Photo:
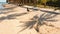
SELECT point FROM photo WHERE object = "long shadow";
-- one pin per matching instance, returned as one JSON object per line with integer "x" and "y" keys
{"x": 11, "y": 16}
{"x": 6, "y": 10}
{"x": 50, "y": 12}
{"x": 39, "y": 21}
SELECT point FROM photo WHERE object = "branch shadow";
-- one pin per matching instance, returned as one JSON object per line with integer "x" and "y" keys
{"x": 39, "y": 21}
{"x": 11, "y": 16}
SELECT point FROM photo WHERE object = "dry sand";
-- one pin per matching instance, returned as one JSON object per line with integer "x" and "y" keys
{"x": 12, "y": 18}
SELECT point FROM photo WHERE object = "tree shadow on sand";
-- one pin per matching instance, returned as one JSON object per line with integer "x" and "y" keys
{"x": 39, "y": 21}
{"x": 51, "y": 12}
{"x": 11, "y": 16}
{"x": 7, "y": 10}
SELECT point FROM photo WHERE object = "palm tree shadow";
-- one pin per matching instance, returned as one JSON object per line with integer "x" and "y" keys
{"x": 39, "y": 21}
{"x": 11, "y": 16}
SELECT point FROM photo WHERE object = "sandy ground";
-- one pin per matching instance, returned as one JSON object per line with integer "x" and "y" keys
{"x": 11, "y": 19}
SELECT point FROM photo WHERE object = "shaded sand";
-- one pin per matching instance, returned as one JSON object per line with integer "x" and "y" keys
{"x": 12, "y": 19}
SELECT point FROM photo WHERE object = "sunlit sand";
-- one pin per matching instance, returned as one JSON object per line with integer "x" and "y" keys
{"x": 12, "y": 19}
